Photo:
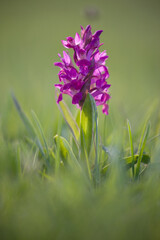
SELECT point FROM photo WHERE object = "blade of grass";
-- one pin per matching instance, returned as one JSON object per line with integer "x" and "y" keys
{"x": 57, "y": 157}
{"x": 40, "y": 130}
{"x": 141, "y": 147}
{"x": 153, "y": 138}
{"x": 19, "y": 161}
{"x": 131, "y": 145}
{"x": 88, "y": 165}
{"x": 63, "y": 150}
{"x": 46, "y": 176}
{"x": 67, "y": 147}
{"x": 28, "y": 125}
{"x": 105, "y": 168}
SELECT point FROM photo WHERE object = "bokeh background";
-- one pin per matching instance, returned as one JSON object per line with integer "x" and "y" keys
{"x": 30, "y": 38}
{"x": 65, "y": 207}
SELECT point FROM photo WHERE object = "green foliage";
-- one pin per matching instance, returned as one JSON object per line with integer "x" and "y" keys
{"x": 69, "y": 120}
{"x": 141, "y": 147}
{"x": 84, "y": 131}
{"x": 33, "y": 133}
{"x": 44, "y": 196}
{"x": 129, "y": 160}
{"x": 41, "y": 132}
{"x": 28, "y": 125}
{"x": 131, "y": 146}
{"x": 87, "y": 125}
{"x": 66, "y": 151}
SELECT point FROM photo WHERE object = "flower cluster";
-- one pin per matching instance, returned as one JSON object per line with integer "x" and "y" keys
{"x": 90, "y": 72}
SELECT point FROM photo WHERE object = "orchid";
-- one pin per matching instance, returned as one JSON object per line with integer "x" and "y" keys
{"x": 88, "y": 73}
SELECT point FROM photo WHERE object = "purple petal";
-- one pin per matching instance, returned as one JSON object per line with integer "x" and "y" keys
{"x": 73, "y": 72}
{"x": 103, "y": 70}
{"x": 58, "y": 64}
{"x": 66, "y": 58}
{"x": 76, "y": 84}
{"x": 82, "y": 31}
{"x": 96, "y": 93}
{"x": 59, "y": 55}
{"x": 81, "y": 54}
{"x": 105, "y": 86}
{"x": 76, "y": 98}
{"x": 99, "y": 83}
{"x": 100, "y": 58}
{"x": 94, "y": 43}
{"x": 70, "y": 39}
{"x": 97, "y": 33}
{"x": 105, "y": 97}
{"x": 77, "y": 39}
{"x": 87, "y": 36}
{"x": 91, "y": 73}
{"x": 59, "y": 98}
{"x": 65, "y": 43}
{"x": 83, "y": 62}
{"x": 105, "y": 109}
{"x": 70, "y": 42}
{"x": 66, "y": 86}
{"x": 75, "y": 57}
{"x": 58, "y": 86}
{"x": 88, "y": 29}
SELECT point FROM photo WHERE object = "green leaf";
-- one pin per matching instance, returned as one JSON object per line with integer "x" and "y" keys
{"x": 104, "y": 169}
{"x": 62, "y": 148}
{"x": 96, "y": 172}
{"x": 46, "y": 176}
{"x": 78, "y": 118}
{"x": 87, "y": 124}
{"x": 18, "y": 160}
{"x": 28, "y": 125}
{"x": 131, "y": 145}
{"x": 70, "y": 120}
{"x": 141, "y": 147}
{"x": 89, "y": 128}
{"x": 129, "y": 160}
{"x": 40, "y": 130}
{"x": 66, "y": 151}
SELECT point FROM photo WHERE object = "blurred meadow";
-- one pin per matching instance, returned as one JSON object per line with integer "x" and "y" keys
{"x": 65, "y": 207}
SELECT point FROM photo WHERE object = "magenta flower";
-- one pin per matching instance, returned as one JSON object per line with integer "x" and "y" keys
{"x": 88, "y": 73}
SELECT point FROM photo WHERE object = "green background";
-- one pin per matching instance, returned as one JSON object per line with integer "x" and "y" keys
{"x": 64, "y": 206}
{"x": 30, "y": 38}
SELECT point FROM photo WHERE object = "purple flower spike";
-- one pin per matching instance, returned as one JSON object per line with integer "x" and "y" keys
{"x": 88, "y": 73}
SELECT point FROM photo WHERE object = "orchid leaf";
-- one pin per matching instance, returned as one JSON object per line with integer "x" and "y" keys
{"x": 78, "y": 118}
{"x": 70, "y": 120}
{"x": 95, "y": 132}
{"x": 87, "y": 124}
